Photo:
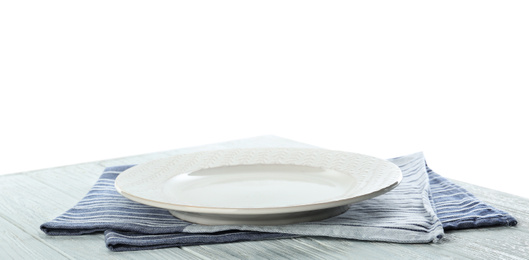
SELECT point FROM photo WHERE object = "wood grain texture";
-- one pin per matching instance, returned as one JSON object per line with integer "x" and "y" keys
{"x": 18, "y": 244}
{"x": 29, "y": 199}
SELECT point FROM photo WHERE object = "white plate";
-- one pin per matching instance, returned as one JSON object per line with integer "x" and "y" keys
{"x": 266, "y": 186}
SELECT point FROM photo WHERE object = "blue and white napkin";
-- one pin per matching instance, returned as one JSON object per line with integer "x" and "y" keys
{"x": 416, "y": 211}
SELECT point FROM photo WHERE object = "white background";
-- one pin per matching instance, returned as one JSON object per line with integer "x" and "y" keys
{"x": 90, "y": 80}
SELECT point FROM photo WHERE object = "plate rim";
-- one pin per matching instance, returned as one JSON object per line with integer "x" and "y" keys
{"x": 262, "y": 210}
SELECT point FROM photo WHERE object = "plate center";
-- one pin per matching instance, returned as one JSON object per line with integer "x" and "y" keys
{"x": 257, "y": 186}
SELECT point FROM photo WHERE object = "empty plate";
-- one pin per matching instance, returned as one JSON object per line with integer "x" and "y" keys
{"x": 267, "y": 186}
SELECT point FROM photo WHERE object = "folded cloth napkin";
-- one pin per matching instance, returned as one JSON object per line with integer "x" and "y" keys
{"x": 416, "y": 211}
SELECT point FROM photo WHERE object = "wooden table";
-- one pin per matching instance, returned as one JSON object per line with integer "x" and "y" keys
{"x": 29, "y": 199}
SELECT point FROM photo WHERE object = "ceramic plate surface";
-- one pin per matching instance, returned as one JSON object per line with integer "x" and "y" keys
{"x": 265, "y": 186}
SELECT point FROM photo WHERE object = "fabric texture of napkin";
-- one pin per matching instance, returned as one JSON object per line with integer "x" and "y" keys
{"x": 416, "y": 211}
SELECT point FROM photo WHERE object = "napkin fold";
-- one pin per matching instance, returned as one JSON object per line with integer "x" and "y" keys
{"x": 416, "y": 211}
{"x": 459, "y": 209}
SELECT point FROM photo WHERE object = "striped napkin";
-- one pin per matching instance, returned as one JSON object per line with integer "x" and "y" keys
{"x": 417, "y": 211}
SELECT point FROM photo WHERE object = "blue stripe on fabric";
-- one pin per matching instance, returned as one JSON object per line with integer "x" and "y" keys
{"x": 459, "y": 209}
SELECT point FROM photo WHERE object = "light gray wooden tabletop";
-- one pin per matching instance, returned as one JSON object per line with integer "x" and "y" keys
{"x": 29, "y": 199}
